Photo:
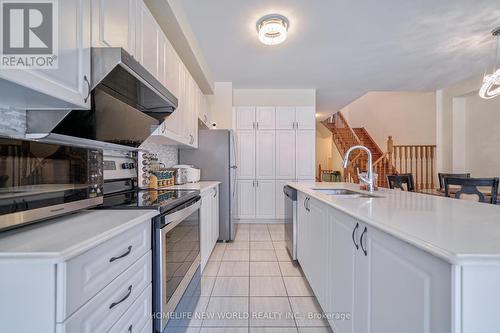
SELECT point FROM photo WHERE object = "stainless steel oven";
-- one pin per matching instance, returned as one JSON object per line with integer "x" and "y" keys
{"x": 41, "y": 180}
{"x": 177, "y": 258}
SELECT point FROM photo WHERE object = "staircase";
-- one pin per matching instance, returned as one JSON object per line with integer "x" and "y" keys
{"x": 345, "y": 137}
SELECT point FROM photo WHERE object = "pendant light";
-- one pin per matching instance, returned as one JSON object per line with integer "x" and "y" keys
{"x": 491, "y": 82}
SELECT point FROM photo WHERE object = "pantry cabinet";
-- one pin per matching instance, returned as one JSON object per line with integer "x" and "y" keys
{"x": 360, "y": 271}
{"x": 264, "y": 118}
{"x": 246, "y": 198}
{"x": 245, "y": 158}
{"x": 209, "y": 223}
{"x": 265, "y": 154}
{"x": 285, "y": 154}
{"x": 244, "y": 117}
{"x": 256, "y": 199}
{"x": 299, "y": 117}
{"x": 68, "y": 85}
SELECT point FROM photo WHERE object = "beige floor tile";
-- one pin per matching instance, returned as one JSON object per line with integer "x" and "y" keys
{"x": 242, "y": 236}
{"x": 263, "y": 255}
{"x": 217, "y": 254}
{"x": 211, "y": 268}
{"x": 271, "y": 311}
{"x": 259, "y": 236}
{"x": 267, "y": 286}
{"x": 276, "y": 226}
{"x": 261, "y": 246}
{"x": 297, "y": 286}
{"x": 303, "y": 307}
{"x": 258, "y": 226}
{"x": 277, "y": 235}
{"x": 290, "y": 268}
{"x": 204, "y": 288}
{"x": 227, "y": 312}
{"x": 279, "y": 245}
{"x": 224, "y": 330}
{"x": 234, "y": 268}
{"x": 238, "y": 245}
{"x": 315, "y": 330}
{"x": 236, "y": 255}
{"x": 192, "y": 306}
{"x": 283, "y": 255}
{"x": 231, "y": 286}
{"x": 220, "y": 246}
{"x": 273, "y": 330}
{"x": 267, "y": 268}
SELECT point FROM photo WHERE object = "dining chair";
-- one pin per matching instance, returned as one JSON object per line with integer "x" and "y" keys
{"x": 469, "y": 186}
{"x": 441, "y": 176}
{"x": 397, "y": 182}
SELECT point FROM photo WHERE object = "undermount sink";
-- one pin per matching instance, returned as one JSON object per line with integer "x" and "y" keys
{"x": 343, "y": 193}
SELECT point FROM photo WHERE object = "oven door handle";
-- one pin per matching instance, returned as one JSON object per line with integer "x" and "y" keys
{"x": 180, "y": 215}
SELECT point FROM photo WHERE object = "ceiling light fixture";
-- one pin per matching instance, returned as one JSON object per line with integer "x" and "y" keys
{"x": 491, "y": 82}
{"x": 272, "y": 29}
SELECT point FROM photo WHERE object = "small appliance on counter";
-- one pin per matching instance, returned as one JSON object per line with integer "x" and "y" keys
{"x": 186, "y": 174}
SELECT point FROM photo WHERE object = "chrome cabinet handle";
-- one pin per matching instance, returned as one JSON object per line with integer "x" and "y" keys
{"x": 257, "y": 125}
{"x": 129, "y": 249}
{"x": 361, "y": 242}
{"x": 253, "y": 125}
{"x": 88, "y": 88}
{"x": 215, "y": 192}
{"x": 297, "y": 125}
{"x": 123, "y": 299}
{"x": 130, "y": 329}
{"x": 354, "y": 235}
{"x": 305, "y": 201}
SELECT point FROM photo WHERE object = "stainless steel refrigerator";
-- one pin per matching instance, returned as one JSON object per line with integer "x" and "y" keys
{"x": 216, "y": 157}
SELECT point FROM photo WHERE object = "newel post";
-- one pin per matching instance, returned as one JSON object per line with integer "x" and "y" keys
{"x": 390, "y": 148}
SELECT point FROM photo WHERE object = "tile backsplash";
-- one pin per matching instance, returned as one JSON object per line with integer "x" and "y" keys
{"x": 168, "y": 155}
{"x": 12, "y": 122}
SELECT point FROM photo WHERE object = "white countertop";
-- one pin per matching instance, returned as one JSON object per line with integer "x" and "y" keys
{"x": 458, "y": 231}
{"x": 62, "y": 238}
{"x": 200, "y": 186}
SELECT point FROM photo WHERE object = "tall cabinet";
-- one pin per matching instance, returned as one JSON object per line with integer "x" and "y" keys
{"x": 276, "y": 145}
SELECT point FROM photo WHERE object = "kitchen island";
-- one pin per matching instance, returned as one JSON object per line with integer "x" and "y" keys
{"x": 396, "y": 261}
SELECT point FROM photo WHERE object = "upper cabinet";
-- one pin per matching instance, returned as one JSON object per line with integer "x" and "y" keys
{"x": 264, "y": 117}
{"x": 114, "y": 24}
{"x": 68, "y": 85}
{"x": 148, "y": 41}
{"x": 300, "y": 117}
{"x": 245, "y": 117}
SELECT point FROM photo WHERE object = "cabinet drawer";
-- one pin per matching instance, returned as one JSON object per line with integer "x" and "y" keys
{"x": 90, "y": 272}
{"x": 137, "y": 315}
{"x": 104, "y": 310}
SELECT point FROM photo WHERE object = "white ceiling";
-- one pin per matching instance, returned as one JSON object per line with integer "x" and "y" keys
{"x": 346, "y": 48}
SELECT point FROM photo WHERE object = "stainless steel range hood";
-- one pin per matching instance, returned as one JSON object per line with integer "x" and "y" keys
{"x": 127, "y": 104}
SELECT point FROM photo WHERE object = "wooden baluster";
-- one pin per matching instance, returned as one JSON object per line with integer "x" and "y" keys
{"x": 400, "y": 159}
{"x": 396, "y": 158}
{"x": 421, "y": 167}
{"x": 411, "y": 159}
{"x": 416, "y": 168}
{"x": 427, "y": 167}
{"x": 432, "y": 167}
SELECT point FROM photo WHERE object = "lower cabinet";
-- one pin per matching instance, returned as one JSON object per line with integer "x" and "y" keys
{"x": 367, "y": 280}
{"x": 209, "y": 223}
{"x": 256, "y": 199}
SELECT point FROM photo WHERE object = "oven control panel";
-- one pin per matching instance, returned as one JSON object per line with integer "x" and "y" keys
{"x": 119, "y": 165}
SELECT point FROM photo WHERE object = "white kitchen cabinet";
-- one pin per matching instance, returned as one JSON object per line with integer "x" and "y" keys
{"x": 305, "y": 154}
{"x": 246, "y": 199}
{"x": 245, "y": 154}
{"x": 285, "y": 117}
{"x": 358, "y": 270}
{"x": 265, "y": 117}
{"x": 209, "y": 224}
{"x": 114, "y": 24}
{"x": 148, "y": 40}
{"x": 265, "y": 154}
{"x": 285, "y": 154}
{"x": 65, "y": 87}
{"x": 280, "y": 197}
{"x": 305, "y": 118}
{"x": 265, "y": 200}
{"x": 245, "y": 117}
{"x": 172, "y": 70}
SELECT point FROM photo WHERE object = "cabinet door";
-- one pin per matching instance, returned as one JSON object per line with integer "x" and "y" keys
{"x": 245, "y": 117}
{"x": 342, "y": 269}
{"x": 265, "y": 154}
{"x": 303, "y": 232}
{"x": 409, "y": 284}
{"x": 265, "y": 207}
{"x": 285, "y": 117}
{"x": 205, "y": 228}
{"x": 280, "y": 198}
{"x": 172, "y": 70}
{"x": 245, "y": 154}
{"x": 305, "y": 116}
{"x": 246, "y": 199}
{"x": 264, "y": 117}
{"x": 70, "y": 82}
{"x": 305, "y": 154}
{"x": 193, "y": 113}
{"x": 113, "y": 24}
{"x": 148, "y": 40}
{"x": 285, "y": 154}
{"x": 215, "y": 215}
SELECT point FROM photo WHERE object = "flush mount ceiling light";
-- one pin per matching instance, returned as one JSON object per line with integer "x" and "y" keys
{"x": 491, "y": 82}
{"x": 272, "y": 29}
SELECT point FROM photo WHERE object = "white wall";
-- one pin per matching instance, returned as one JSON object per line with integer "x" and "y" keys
{"x": 482, "y": 136}
{"x": 410, "y": 117}
{"x": 221, "y": 105}
{"x": 274, "y": 97}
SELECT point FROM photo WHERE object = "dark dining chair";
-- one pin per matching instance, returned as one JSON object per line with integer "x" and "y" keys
{"x": 397, "y": 182}
{"x": 441, "y": 177}
{"x": 469, "y": 186}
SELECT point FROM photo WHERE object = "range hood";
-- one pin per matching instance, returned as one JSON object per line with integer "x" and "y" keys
{"x": 127, "y": 104}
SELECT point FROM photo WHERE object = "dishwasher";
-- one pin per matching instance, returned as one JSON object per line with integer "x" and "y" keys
{"x": 291, "y": 220}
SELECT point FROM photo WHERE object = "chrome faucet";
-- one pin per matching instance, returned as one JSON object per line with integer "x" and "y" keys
{"x": 369, "y": 180}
